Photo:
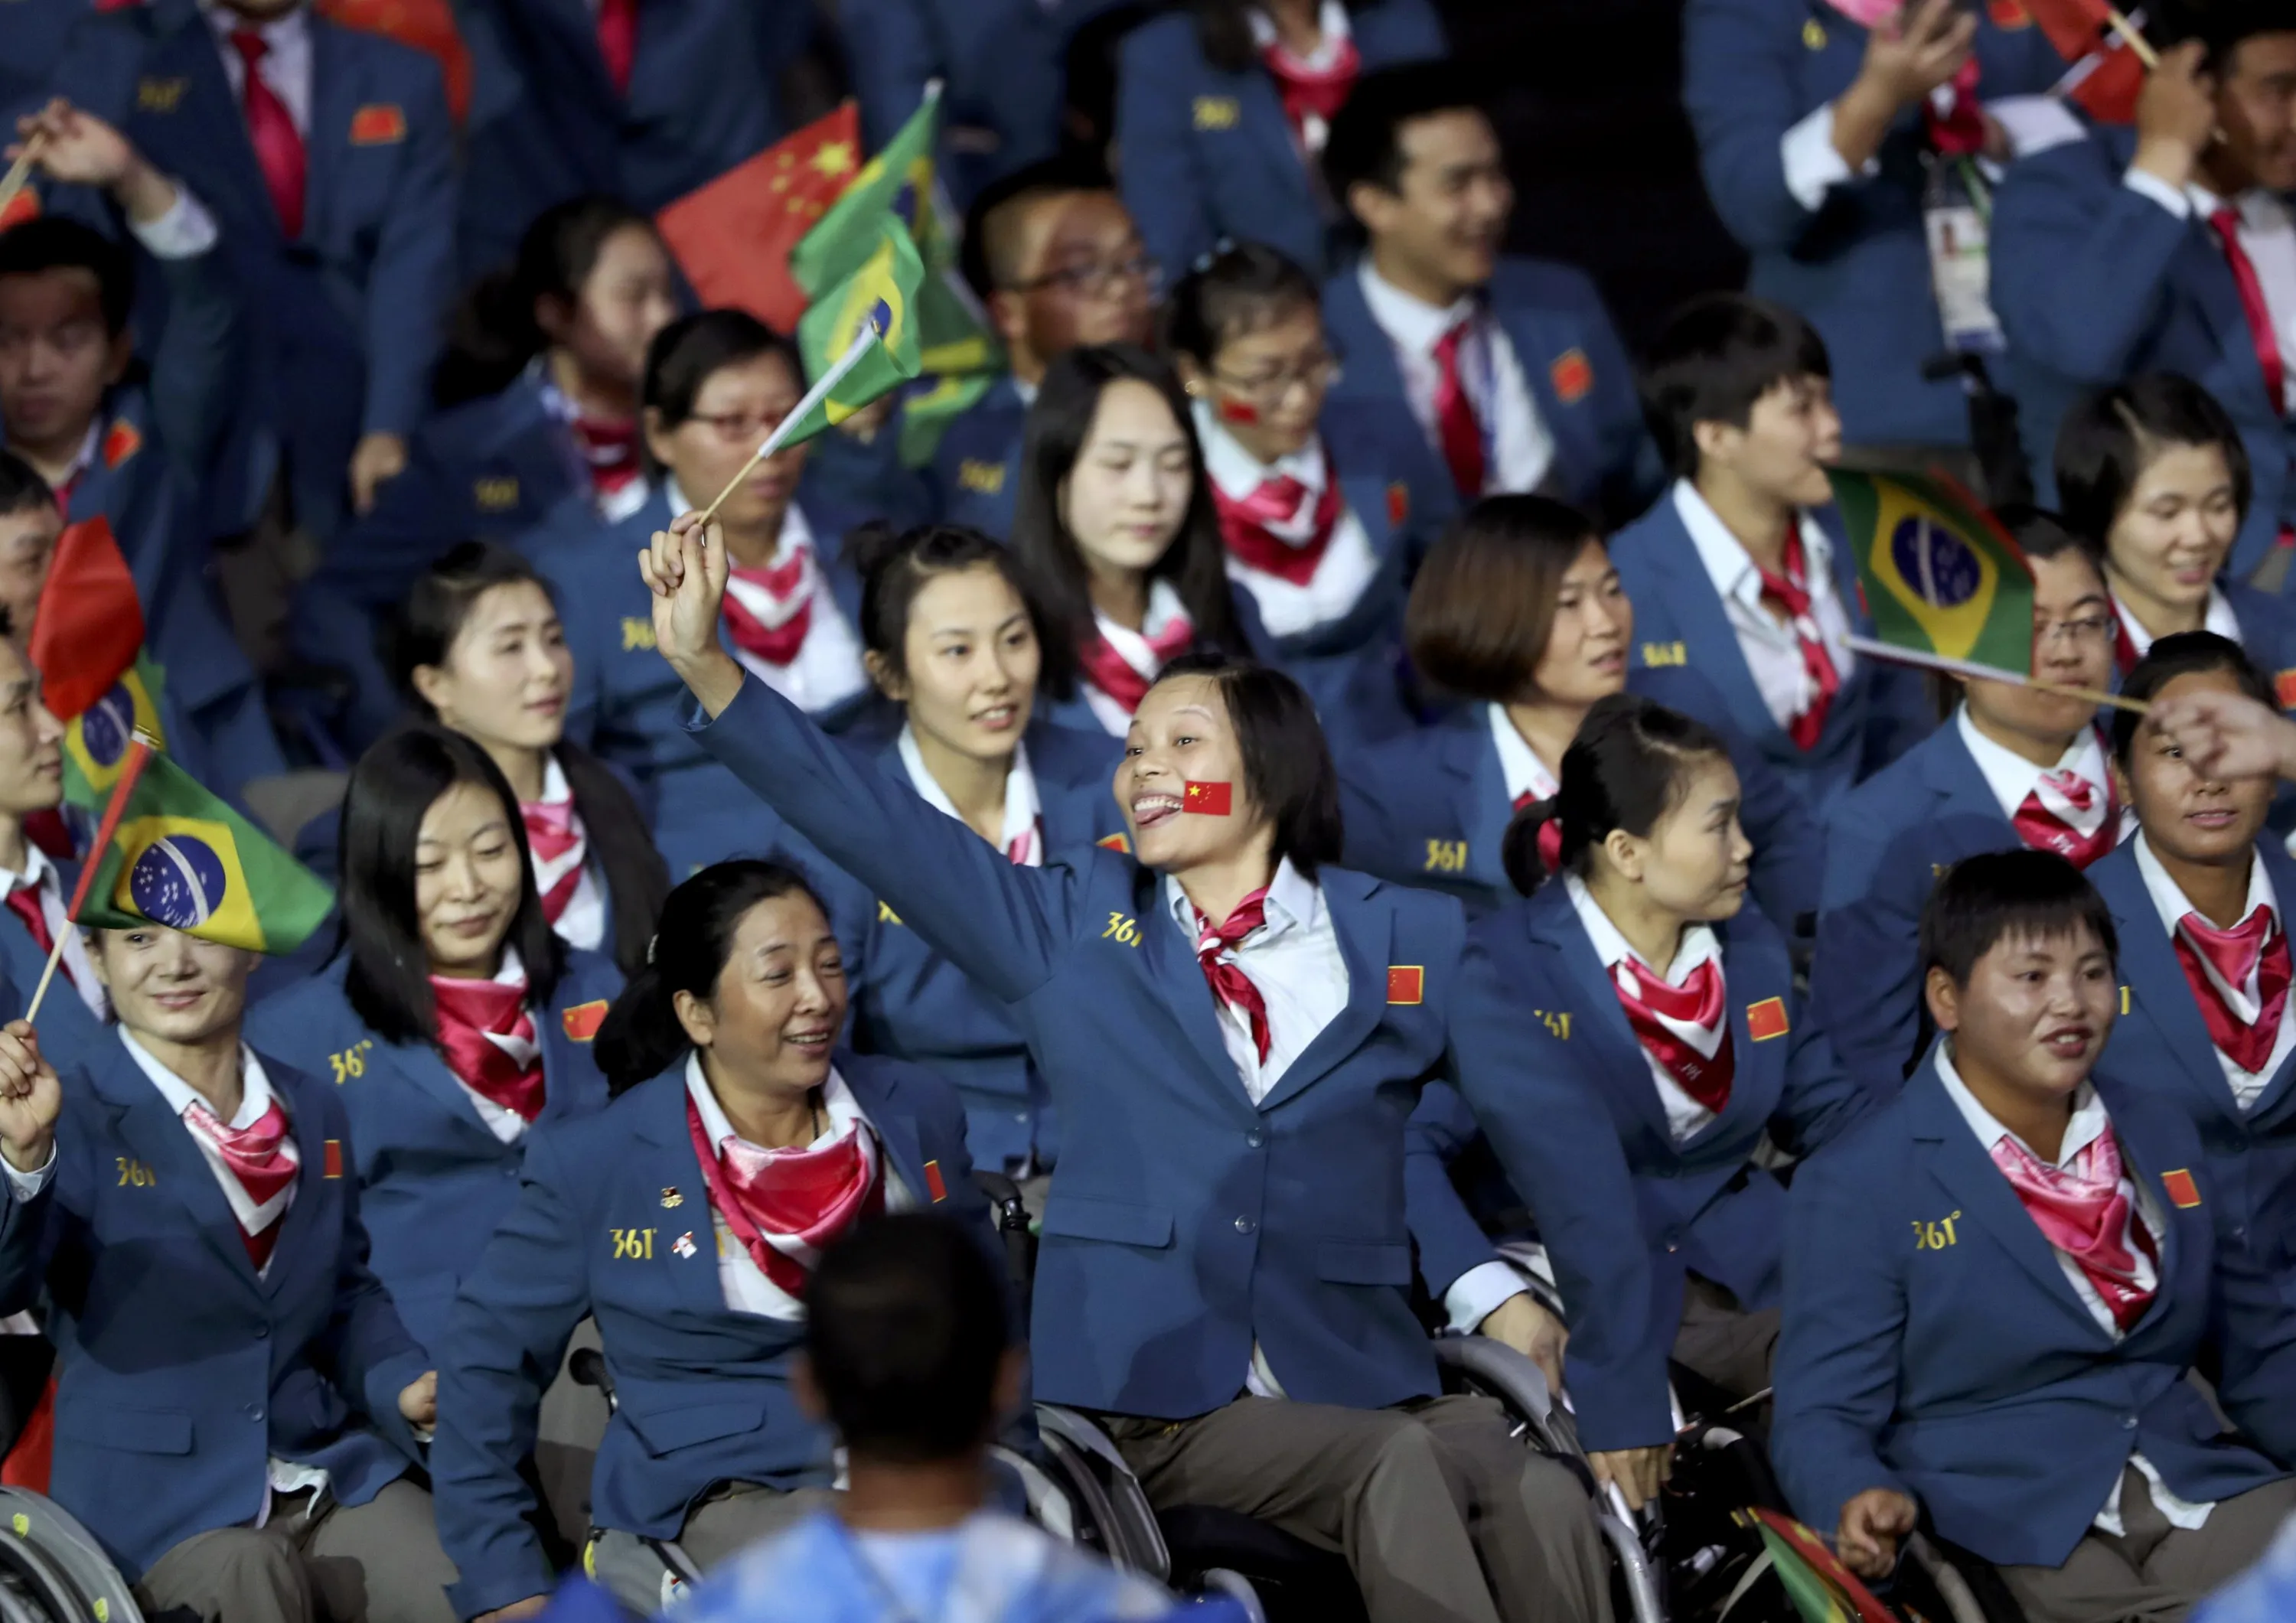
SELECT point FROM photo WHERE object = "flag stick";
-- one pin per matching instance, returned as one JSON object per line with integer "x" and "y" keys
{"x": 131, "y": 767}
{"x": 814, "y": 397}
{"x": 2131, "y": 38}
{"x": 1989, "y": 673}
{"x": 21, "y": 171}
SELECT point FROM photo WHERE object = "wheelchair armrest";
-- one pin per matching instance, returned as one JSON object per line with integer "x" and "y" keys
{"x": 1510, "y": 1377}
{"x": 588, "y": 1368}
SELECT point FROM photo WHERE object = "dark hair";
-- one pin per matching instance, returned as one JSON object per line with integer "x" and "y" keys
{"x": 1483, "y": 608}
{"x": 894, "y": 568}
{"x": 2039, "y": 533}
{"x": 1058, "y": 424}
{"x": 1996, "y": 894}
{"x": 1717, "y": 356}
{"x": 21, "y": 488}
{"x": 388, "y": 979}
{"x": 1365, "y": 143}
{"x": 1287, "y": 763}
{"x": 906, "y": 1333}
{"x": 2221, "y": 26}
{"x": 53, "y": 242}
{"x": 641, "y": 1037}
{"x": 2112, "y": 435}
{"x": 423, "y": 633}
{"x": 2184, "y": 654}
{"x": 690, "y": 351}
{"x": 1240, "y": 288}
{"x": 1627, "y": 769}
{"x": 494, "y": 333}
{"x": 986, "y": 248}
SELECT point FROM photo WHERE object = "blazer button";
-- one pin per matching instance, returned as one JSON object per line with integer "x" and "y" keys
{"x": 1255, "y": 1138}
{"x": 2128, "y": 1422}
{"x": 255, "y": 1411}
{"x": 263, "y": 1332}
{"x": 1244, "y": 1225}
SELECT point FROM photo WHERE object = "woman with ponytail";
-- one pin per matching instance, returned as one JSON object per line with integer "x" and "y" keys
{"x": 686, "y": 1220}
{"x": 1626, "y": 1037}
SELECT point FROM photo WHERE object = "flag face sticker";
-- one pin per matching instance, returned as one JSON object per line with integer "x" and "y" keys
{"x": 1938, "y": 573}
{"x": 581, "y": 1022}
{"x": 1208, "y": 799}
{"x": 1406, "y": 983}
{"x": 1766, "y": 1020}
{"x": 96, "y": 740}
{"x": 2183, "y": 1192}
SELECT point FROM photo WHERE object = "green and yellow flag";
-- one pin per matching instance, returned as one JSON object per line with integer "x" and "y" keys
{"x": 1820, "y": 1587}
{"x": 897, "y": 181}
{"x": 879, "y": 294}
{"x": 179, "y": 856}
{"x": 1941, "y": 578}
{"x": 96, "y": 740}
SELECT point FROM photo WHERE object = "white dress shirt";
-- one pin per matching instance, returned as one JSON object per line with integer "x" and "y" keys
{"x": 2171, "y": 902}
{"x": 286, "y": 67}
{"x": 2219, "y": 619}
{"x": 504, "y": 1123}
{"x": 1520, "y": 767}
{"x": 2266, "y": 233}
{"x": 613, "y": 505}
{"x": 583, "y": 923}
{"x": 1164, "y": 607}
{"x": 746, "y": 1287}
{"x": 40, "y": 872}
{"x": 1699, "y": 944}
{"x": 1772, "y": 650}
{"x": 1518, "y": 448}
{"x": 2089, "y": 1123}
{"x": 1349, "y": 564}
{"x": 2011, "y": 777}
{"x": 1814, "y": 166}
{"x": 1023, "y": 812}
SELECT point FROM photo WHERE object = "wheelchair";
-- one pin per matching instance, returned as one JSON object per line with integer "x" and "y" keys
{"x": 53, "y": 1571}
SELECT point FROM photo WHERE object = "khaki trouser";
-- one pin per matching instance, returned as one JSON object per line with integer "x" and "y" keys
{"x": 2153, "y": 1572}
{"x": 378, "y": 1563}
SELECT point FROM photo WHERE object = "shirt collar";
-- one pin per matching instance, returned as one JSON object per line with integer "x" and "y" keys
{"x": 1238, "y": 472}
{"x": 1026, "y": 391}
{"x": 1294, "y": 902}
{"x": 1519, "y": 768}
{"x": 1729, "y": 565}
{"x": 555, "y": 790}
{"x": 2087, "y": 1125}
{"x": 2258, "y": 209}
{"x": 1331, "y": 18}
{"x": 1164, "y": 607}
{"x": 1699, "y": 942}
{"x": 280, "y": 33}
{"x": 2218, "y": 618}
{"x": 2011, "y": 777}
{"x": 254, "y": 1086}
{"x": 2169, "y": 898}
{"x": 1022, "y": 806}
{"x": 1416, "y": 326}
{"x": 39, "y": 871}
{"x": 838, "y": 1106}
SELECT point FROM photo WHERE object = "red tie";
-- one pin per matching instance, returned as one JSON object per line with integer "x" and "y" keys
{"x": 2226, "y": 221}
{"x": 1113, "y": 674}
{"x": 1455, "y": 426}
{"x": 808, "y": 1196}
{"x": 1316, "y": 94}
{"x": 776, "y": 645}
{"x": 1959, "y": 131}
{"x": 1231, "y": 988}
{"x": 2082, "y": 1212}
{"x": 617, "y": 40}
{"x": 489, "y": 1041}
{"x": 1276, "y": 529}
{"x": 2253, "y": 953}
{"x": 1021, "y": 850}
{"x": 2056, "y": 815}
{"x": 554, "y": 836}
{"x": 271, "y": 131}
{"x": 1657, "y": 1012}
{"x": 609, "y": 450}
{"x": 24, "y": 902}
{"x": 1790, "y": 592}
{"x": 262, "y": 1157}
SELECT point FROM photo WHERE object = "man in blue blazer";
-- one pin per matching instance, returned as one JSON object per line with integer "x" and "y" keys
{"x": 1811, "y": 138}
{"x": 2126, "y": 253}
{"x": 1469, "y": 371}
{"x": 1997, "y": 1287}
{"x": 332, "y": 178}
{"x": 1210, "y": 151}
{"x": 1741, "y": 573}
{"x": 2013, "y": 767}
{"x": 1058, "y": 264}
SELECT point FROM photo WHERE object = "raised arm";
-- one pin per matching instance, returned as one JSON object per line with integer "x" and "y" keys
{"x": 1005, "y": 926}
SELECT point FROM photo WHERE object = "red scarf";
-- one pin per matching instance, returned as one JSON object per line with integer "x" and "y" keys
{"x": 2083, "y": 1212}
{"x": 1277, "y": 529}
{"x": 1113, "y": 674}
{"x": 1231, "y": 988}
{"x": 262, "y": 1158}
{"x": 609, "y": 450}
{"x": 560, "y": 848}
{"x": 1959, "y": 130}
{"x": 2253, "y": 953}
{"x": 2067, "y": 814}
{"x": 809, "y": 1197}
{"x": 1651, "y": 1004}
{"x": 1313, "y": 97}
{"x": 788, "y": 587}
{"x": 1790, "y": 592}
{"x": 489, "y": 1041}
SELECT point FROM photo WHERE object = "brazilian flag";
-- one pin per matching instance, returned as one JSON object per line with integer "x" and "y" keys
{"x": 181, "y": 858}
{"x": 96, "y": 740}
{"x": 1940, "y": 575}
{"x": 880, "y": 296}
{"x": 1821, "y": 1589}
{"x": 897, "y": 181}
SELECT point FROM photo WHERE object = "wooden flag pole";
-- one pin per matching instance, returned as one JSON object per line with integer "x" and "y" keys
{"x": 868, "y": 335}
{"x": 1990, "y": 673}
{"x": 2131, "y": 38}
{"x": 131, "y": 767}
{"x": 21, "y": 171}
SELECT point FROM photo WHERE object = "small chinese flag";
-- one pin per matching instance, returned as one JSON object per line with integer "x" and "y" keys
{"x": 1405, "y": 983}
{"x": 121, "y": 442}
{"x": 378, "y": 124}
{"x": 1208, "y": 799}
{"x": 1766, "y": 1020}
{"x": 733, "y": 236}
{"x": 582, "y": 1021}
{"x": 934, "y": 1186}
{"x": 1398, "y": 504}
{"x": 2284, "y": 688}
{"x": 89, "y": 626}
{"x": 1572, "y": 375}
{"x": 2183, "y": 1193}
{"x": 334, "y": 1163}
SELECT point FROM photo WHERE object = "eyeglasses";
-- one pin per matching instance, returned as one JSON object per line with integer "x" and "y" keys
{"x": 1315, "y": 373}
{"x": 2090, "y": 630}
{"x": 1098, "y": 281}
{"x": 736, "y": 427}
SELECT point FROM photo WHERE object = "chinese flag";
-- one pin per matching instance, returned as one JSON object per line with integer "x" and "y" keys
{"x": 1766, "y": 1020}
{"x": 1208, "y": 799}
{"x": 2082, "y": 32}
{"x": 89, "y": 627}
{"x": 426, "y": 25}
{"x": 733, "y": 237}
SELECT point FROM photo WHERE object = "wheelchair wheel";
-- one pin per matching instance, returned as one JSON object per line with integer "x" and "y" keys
{"x": 53, "y": 1571}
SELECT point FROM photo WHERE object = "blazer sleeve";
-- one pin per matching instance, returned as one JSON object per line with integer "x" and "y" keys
{"x": 412, "y": 279}
{"x": 1155, "y": 131}
{"x": 1450, "y": 1240}
{"x": 2255, "y": 1333}
{"x": 1787, "y": 842}
{"x": 1821, "y": 1098}
{"x": 1006, "y": 927}
{"x": 366, "y": 1349}
{"x": 508, "y": 1331}
{"x": 1737, "y": 85}
{"x": 1865, "y": 985}
{"x": 198, "y": 368}
{"x": 25, "y": 1239}
{"x": 1844, "y": 1323}
{"x": 1561, "y": 1152}
{"x": 900, "y": 50}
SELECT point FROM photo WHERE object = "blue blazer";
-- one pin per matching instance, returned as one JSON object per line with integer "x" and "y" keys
{"x": 69, "y": 1033}
{"x": 1604, "y": 459}
{"x": 1679, "y": 619}
{"x": 1858, "y": 267}
{"x": 180, "y": 1369}
{"x": 974, "y": 480}
{"x": 1968, "y": 1374}
{"x": 349, "y": 316}
{"x": 613, "y": 1222}
{"x": 913, "y": 1004}
{"x": 1208, "y": 155}
{"x": 1554, "y": 1076}
{"x": 2096, "y": 282}
{"x": 1186, "y": 1223}
{"x": 1430, "y": 808}
{"x": 431, "y": 1173}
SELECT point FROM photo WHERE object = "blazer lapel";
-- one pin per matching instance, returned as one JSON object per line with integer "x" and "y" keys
{"x": 1484, "y": 811}
{"x": 1953, "y": 776}
{"x": 193, "y": 50}
{"x": 2158, "y": 989}
{"x": 1599, "y": 1017}
{"x": 1264, "y": 122}
{"x": 669, "y": 1147}
{"x": 2142, "y": 1170}
{"x": 1539, "y": 346}
{"x": 1365, "y": 930}
{"x": 2218, "y": 294}
{"x": 333, "y": 96}
{"x": 1185, "y": 995}
{"x": 300, "y": 1222}
{"x": 425, "y": 1071}
{"x": 1696, "y": 607}
{"x": 1758, "y": 1070}
{"x": 163, "y": 1144}
{"x": 896, "y": 1129}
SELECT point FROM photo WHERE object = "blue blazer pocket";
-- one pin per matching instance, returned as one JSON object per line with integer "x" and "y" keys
{"x": 1078, "y": 1217}
{"x": 135, "y": 1430}
{"x": 1356, "y": 1262}
{"x": 701, "y": 1422}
